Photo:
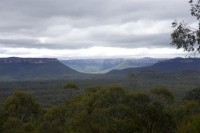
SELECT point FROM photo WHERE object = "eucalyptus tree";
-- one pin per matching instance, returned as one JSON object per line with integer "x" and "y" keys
{"x": 184, "y": 36}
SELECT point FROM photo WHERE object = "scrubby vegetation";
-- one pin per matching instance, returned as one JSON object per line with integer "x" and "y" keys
{"x": 51, "y": 92}
{"x": 103, "y": 110}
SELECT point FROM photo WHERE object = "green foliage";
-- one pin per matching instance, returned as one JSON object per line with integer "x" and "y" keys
{"x": 162, "y": 95}
{"x": 115, "y": 110}
{"x": 1, "y": 117}
{"x": 191, "y": 126}
{"x": 102, "y": 110}
{"x": 184, "y": 36}
{"x": 71, "y": 85}
{"x": 20, "y": 112}
{"x": 93, "y": 89}
{"x": 186, "y": 111}
{"x": 54, "y": 120}
{"x": 22, "y": 106}
{"x": 193, "y": 95}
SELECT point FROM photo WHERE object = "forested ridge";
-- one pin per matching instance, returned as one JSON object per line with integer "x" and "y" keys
{"x": 103, "y": 110}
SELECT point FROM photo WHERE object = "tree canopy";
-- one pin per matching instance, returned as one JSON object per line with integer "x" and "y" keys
{"x": 102, "y": 110}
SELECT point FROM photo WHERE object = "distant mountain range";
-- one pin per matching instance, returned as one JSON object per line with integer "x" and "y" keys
{"x": 106, "y": 65}
{"x": 52, "y": 69}
{"x": 166, "y": 66}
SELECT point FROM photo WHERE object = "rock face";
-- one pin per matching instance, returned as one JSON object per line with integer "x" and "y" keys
{"x": 35, "y": 68}
{"x": 13, "y": 60}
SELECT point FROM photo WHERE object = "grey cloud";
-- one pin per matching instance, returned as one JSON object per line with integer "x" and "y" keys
{"x": 136, "y": 41}
{"x": 34, "y": 43}
{"x": 123, "y": 41}
{"x": 33, "y": 18}
{"x": 96, "y": 10}
{"x": 28, "y": 43}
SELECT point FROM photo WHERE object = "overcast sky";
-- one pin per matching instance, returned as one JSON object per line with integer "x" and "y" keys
{"x": 90, "y": 28}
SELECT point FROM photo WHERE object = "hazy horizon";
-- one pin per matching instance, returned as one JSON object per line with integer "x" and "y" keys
{"x": 106, "y": 58}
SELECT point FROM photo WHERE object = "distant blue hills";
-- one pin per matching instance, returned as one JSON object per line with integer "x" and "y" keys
{"x": 169, "y": 66}
{"x": 106, "y": 65}
{"x": 50, "y": 68}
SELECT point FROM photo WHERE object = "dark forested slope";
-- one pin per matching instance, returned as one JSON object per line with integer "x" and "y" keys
{"x": 172, "y": 65}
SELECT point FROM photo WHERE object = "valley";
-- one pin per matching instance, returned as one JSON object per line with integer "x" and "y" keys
{"x": 106, "y": 65}
{"x": 47, "y": 78}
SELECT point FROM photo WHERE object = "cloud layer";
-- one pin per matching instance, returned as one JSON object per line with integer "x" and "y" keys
{"x": 84, "y": 24}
